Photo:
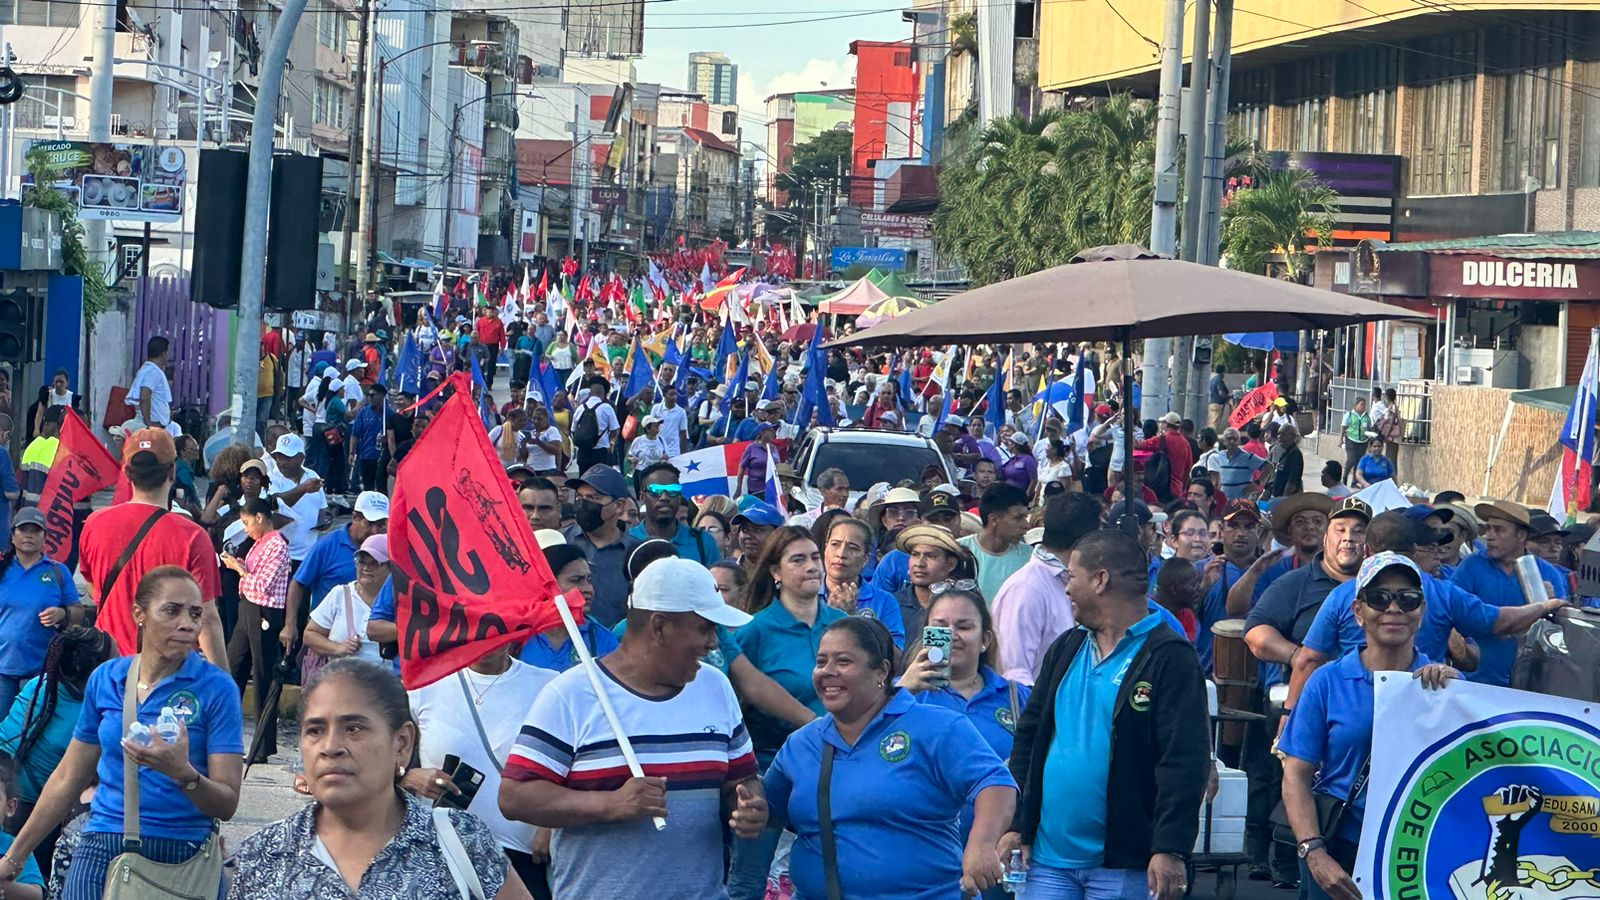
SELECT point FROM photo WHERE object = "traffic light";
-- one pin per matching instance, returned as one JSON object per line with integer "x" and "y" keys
{"x": 14, "y": 330}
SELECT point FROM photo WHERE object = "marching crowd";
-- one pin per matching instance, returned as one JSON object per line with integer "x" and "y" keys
{"x": 986, "y": 677}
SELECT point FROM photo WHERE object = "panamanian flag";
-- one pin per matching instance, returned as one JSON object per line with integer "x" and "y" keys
{"x": 1575, "y": 478}
{"x": 714, "y": 470}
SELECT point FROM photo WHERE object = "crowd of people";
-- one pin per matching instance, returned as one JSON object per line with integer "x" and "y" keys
{"x": 991, "y": 671}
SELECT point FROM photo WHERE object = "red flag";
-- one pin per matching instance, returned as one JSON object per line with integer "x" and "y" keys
{"x": 468, "y": 575}
{"x": 1253, "y": 404}
{"x": 82, "y": 466}
{"x": 544, "y": 284}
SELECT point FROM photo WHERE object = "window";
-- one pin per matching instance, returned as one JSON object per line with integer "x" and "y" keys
{"x": 331, "y": 29}
{"x": 1368, "y": 80}
{"x": 1586, "y": 100}
{"x": 1308, "y": 125}
{"x": 1442, "y": 128}
{"x": 1250, "y": 96}
{"x": 1530, "y": 129}
{"x": 327, "y": 105}
{"x": 40, "y": 12}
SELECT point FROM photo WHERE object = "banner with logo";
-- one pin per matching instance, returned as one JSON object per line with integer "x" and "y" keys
{"x": 1481, "y": 793}
{"x": 469, "y": 576}
{"x": 82, "y": 466}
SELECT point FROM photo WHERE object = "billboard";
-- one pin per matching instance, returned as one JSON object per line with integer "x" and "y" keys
{"x": 877, "y": 257}
{"x": 117, "y": 182}
{"x": 608, "y": 29}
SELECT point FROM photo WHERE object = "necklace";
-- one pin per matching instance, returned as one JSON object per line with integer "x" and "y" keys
{"x": 478, "y": 699}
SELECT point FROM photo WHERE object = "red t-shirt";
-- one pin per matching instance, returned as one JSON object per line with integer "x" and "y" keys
{"x": 491, "y": 331}
{"x": 273, "y": 341}
{"x": 174, "y": 540}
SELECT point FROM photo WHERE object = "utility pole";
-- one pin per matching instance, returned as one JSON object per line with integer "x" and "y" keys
{"x": 1216, "y": 147}
{"x": 371, "y": 142}
{"x": 572, "y": 195}
{"x": 100, "y": 91}
{"x": 358, "y": 138}
{"x": 1185, "y": 379}
{"x": 450, "y": 184}
{"x": 1163, "y": 213}
{"x": 258, "y": 196}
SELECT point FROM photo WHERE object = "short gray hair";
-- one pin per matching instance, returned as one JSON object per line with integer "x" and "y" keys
{"x": 832, "y": 478}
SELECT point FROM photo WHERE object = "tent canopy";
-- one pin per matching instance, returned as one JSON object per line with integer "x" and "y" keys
{"x": 853, "y": 300}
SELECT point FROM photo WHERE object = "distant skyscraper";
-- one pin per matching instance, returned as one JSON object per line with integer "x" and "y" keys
{"x": 715, "y": 76}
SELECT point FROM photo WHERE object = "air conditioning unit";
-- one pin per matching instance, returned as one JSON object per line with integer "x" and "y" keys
{"x": 1469, "y": 375}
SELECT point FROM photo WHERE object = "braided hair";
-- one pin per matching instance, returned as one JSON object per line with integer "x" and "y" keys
{"x": 74, "y": 653}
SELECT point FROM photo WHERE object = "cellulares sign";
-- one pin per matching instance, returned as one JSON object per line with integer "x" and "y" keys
{"x": 1514, "y": 279}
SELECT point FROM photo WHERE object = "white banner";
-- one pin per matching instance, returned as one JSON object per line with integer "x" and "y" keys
{"x": 1481, "y": 793}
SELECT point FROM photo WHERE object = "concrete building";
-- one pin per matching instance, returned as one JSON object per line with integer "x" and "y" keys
{"x": 701, "y": 171}
{"x": 885, "y": 98}
{"x": 488, "y": 47}
{"x": 715, "y": 76}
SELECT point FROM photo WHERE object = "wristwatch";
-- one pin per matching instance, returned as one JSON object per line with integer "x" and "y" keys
{"x": 191, "y": 786}
{"x": 1310, "y": 844}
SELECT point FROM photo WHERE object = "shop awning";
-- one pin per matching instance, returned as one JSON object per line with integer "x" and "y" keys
{"x": 1539, "y": 245}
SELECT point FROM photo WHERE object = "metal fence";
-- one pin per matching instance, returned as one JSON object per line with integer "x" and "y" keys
{"x": 1415, "y": 399}
{"x": 200, "y": 343}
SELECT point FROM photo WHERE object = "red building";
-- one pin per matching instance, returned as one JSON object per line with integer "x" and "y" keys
{"x": 886, "y": 102}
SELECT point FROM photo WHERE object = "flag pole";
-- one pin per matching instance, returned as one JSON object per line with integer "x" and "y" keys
{"x": 592, "y": 670}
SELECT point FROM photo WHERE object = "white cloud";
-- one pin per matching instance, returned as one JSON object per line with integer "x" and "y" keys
{"x": 814, "y": 75}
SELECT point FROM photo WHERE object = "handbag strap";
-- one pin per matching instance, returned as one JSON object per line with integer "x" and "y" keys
{"x": 1016, "y": 712}
{"x": 130, "y": 769}
{"x": 472, "y": 707}
{"x": 455, "y": 856}
{"x": 1360, "y": 784}
{"x": 830, "y": 849}
{"x": 127, "y": 554}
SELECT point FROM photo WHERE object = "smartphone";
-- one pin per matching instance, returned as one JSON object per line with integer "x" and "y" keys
{"x": 466, "y": 779}
{"x": 1217, "y": 548}
{"x": 937, "y": 639}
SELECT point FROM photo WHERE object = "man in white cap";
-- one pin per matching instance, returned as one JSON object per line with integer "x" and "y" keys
{"x": 331, "y": 561}
{"x": 681, "y": 715}
{"x": 298, "y": 491}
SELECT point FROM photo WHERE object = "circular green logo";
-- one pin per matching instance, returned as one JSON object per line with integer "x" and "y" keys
{"x": 185, "y": 705}
{"x": 1006, "y": 719}
{"x": 895, "y": 746}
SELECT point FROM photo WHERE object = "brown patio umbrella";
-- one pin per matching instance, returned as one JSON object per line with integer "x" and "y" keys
{"x": 1123, "y": 292}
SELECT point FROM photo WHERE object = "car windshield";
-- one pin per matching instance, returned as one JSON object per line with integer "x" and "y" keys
{"x": 867, "y": 464}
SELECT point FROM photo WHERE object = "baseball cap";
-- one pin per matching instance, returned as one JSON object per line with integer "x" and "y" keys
{"x": 354, "y": 364}
{"x": 1240, "y": 510}
{"x": 1021, "y": 440}
{"x": 765, "y": 426}
{"x": 1102, "y": 411}
{"x": 151, "y": 440}
{"x": 604, "y": 479}
{"x": 254, "y": 465}
{"x": 1350, "y": 506}
{"x": 759, "y": 513}
{"x": 372, "y": 506}
{"x": 549, "y": 537}
{"x": 751, "y": 386}
{"x": 1138, "y": 509}
{"x": 957, "y": 421}
{"x": 290, "y": 444}
{"x": 647, "y": 421}
{"x": 673, "y": 585}
{"x": 1172, "y": 418}
{"x": 938, "y": 503}
{"x": 765, "y": 405}
{"x": 377, "y": 547}
{"x": 29, "y": 516}
{"x": 1373, "y": 565}
{"x": 1418, "y": 512}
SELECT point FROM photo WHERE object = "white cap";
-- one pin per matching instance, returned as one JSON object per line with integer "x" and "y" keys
{"x": 549, "y": 537}
{"x": 372, "y": 506}
{"x": 647, "y": 421}
{"x": 354, "y": 364}
{"x": 290, "y": 444}
{"x": 683, "y": 585}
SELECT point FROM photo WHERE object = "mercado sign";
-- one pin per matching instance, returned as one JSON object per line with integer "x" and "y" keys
{"x": 118, "y": 182}
{"x": 1493, "y": 278}
{"x": 1480, "y": 793}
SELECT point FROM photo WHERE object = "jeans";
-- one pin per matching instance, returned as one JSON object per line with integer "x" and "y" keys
{"x": 752, "y": 859}
{"x": 1047, "y": 883}
{"x": 10, "y": 687}
{"x": 1343, "y": 852}
{"x": 86, "y": 877}
{"x": 261, "y": 647}
{"x": 263, "y": 412}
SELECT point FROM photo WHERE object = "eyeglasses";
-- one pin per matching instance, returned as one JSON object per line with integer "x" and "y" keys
{"x": 660, "y": 489}
{"x": 1379, "y": 599}
{"x": 953, "y": 584}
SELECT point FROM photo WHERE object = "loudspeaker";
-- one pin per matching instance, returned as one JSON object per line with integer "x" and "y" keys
{"x": 219, "y": 228}
{"x": 292, "y": 232}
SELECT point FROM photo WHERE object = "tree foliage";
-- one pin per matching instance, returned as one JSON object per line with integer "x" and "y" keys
{"x": 828, "y": 155}
{"x": 1288, "y": 212}
{"x": 74, "y": 252}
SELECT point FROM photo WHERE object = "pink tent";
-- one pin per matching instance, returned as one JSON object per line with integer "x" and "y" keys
{"x": 853, "y": 300}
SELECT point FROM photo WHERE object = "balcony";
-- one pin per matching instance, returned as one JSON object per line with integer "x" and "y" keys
{"x": 500, "y": 113}
{"x": 494, "y": 169}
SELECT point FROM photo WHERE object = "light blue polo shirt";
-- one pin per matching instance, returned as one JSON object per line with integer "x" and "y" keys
{"x": 25, "y": 592}
{"x": 559, "y": 656}
{"x": 690, "y": 544}
{"x": 1331, "y": 728}
{"x": 1336, "y": 632}
{"x": 786, "y": 651}
{"x": 1078, "y": 764}
{"x": 1480, "y": 575}
{"x": 206, "y": 698}
{"x": 896, "y": 795}
{"x": 30, "y": 873}
{"x": 873, "y": 602}
{"x": 329, "y": 563}
{"x": 989, "y": 711}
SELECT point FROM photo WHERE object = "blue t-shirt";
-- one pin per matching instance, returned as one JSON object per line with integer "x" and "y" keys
{"x": 1336, "y": 632}
{"x": 1078, "y": 763}
{"x": 1214, "y": 608}
{"x": 367, "y": 429}
{"x": 25, "y": 592}
{"x": 990, "y": 712}
{"x": 893, "y": 571}
{"x": 30, "y": 870}
{"x": 873, "y": 602}
{"x": 330, "y": 563}
{"x": 541, "y": 651}
{"x": 52, "y": 742}
{"x": 8, "y": 485}
{"x": 383, "y": 604}
{"x": 1480, "y": 575}
{"x": 896, "y": 795}
{"x": 785, "y": 650}
{"x": 205, "y": 697}
{"x": 690, "y": 543}
{"x": 1375, "y": 468}
{"x": 1331, "y": 728}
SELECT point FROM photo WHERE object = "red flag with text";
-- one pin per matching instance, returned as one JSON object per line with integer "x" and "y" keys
{"x": 1253, "y": 404}
{"x": 469, "y": 576}
{"x": 82, "y": 466}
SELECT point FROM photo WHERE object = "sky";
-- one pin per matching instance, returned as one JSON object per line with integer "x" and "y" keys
{"x": 778, "y": 45}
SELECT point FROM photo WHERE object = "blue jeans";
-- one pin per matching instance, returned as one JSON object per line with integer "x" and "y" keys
{"x": 1046, "y": 883}
{"x": 86, "y": 876}
{"x": 10, "y": 687}
{"x": 752, "y": 859}
{"x": 1343, "y": 853}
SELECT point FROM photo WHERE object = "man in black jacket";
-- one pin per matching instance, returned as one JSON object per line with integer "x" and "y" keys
{"x": 1111, "y": 799}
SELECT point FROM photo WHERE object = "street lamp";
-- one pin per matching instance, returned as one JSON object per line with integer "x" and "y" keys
{"x": 450, "y": 174}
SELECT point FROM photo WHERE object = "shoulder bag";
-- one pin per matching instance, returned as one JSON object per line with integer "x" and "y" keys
{"x": 1330, "y": 810}
{"x": 455, "y": 856}
{"x": 127, "y": 555}
{"x": 130, "y": 875}
{"x": 830, "y": 847}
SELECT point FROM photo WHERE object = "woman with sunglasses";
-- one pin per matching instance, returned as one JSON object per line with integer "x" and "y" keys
{"x": 1328, "y": 739}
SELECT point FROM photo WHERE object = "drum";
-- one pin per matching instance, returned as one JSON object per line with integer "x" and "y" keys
{"x": 1234, "y": 669}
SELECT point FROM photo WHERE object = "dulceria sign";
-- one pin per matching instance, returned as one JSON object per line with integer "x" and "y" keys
{"x": 1488, "y": 277}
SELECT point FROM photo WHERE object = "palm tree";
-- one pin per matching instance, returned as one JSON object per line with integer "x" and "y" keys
{"x": 1286, "y": 212}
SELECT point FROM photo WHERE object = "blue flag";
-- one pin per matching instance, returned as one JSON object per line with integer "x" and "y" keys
{"x": 1075, "y": 416}
{"x": 995, "y": 413}
{"x": 640, "y": 376}
{"x": 406, "y": 373}
{"x": 548, "y": 384}
{"x": 814, "y": 393}
{"x": 680, "y": 379}
{"x": 769, "y": 389}
{"x": 735, "y": 388}
{"x": 905, "y": 389}
{"x": 485, "y": 405}
{"x": 727, "y": 345}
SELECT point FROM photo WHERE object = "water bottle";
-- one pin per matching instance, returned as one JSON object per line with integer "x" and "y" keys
{"x": 139, "y": 733}
{"x": 1531, "y": 580}
{"x": 1016, "y": 876}
{"x": 167, "y": 724}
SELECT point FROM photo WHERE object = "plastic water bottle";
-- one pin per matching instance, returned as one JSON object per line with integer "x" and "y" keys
{"x": 1016, "y": 876}
{"x": 167, "y": 724}
{"x": 139, "y": 733}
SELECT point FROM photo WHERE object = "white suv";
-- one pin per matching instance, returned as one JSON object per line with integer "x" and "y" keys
{"x": 866, "y": 456}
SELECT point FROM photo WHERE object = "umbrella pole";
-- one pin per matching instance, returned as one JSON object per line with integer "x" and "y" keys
{"x": 1129, "y": 522}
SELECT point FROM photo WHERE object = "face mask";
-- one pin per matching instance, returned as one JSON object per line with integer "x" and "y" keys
{"x": 589, "y": 515}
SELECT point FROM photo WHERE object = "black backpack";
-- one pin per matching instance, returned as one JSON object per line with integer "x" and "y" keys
{"x": 586, "y": 427}
{"x": 1158, "y": 475}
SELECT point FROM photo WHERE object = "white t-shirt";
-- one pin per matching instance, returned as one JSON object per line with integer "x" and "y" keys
{"x": 345, "y": 615}
{"x": 151, "y": 378}
{"x": 354, "y": 393}
{"x": 309, "y": 417}
{"x": 561, "y": 355}
{"x": 444, "y": 716}
{"x": 674, "y": 424}
{"x": 523, "y": 442}
{"x": 647, "y": 450}
{"x": 539, "y": 460}
{"x": 301, "y": 530}
{"x": 607, "y": 421}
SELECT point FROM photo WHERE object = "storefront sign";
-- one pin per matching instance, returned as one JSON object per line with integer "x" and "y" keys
{"x": 895, "y": 224}
{"x": 1514, "y": 279}
{"x": 116, "y": 182}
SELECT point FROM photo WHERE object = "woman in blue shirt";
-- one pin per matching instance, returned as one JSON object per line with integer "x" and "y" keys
{"x": 552, "y": 649}
{"x": 900, "y": 774}
{"x": 845, "y": 543}
{"x": 185, "y": 785}
{"x": 1374, "y": 467}
{"x": 36, "y": 595}
{"x": 1328, "y": 738}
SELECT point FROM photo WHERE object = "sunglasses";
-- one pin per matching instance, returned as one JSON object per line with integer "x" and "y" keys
{"x": 954, "y": 584}
{"x": 664, "y": 489}
{"x": 1379, "y": 599}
